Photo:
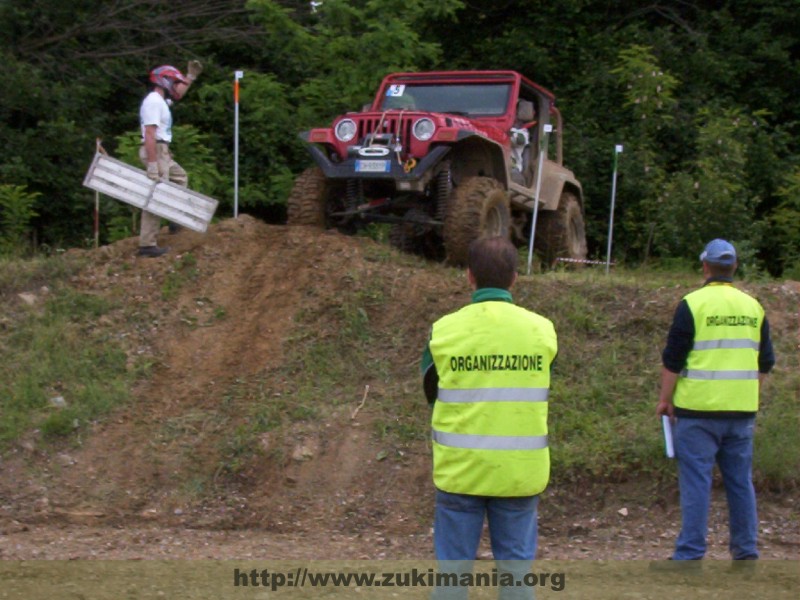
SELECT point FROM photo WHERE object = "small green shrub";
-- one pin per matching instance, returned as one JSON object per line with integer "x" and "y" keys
{"x": 16, "y": 212}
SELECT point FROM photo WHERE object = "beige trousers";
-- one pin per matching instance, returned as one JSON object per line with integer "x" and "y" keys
{"x": 169, "y": 170}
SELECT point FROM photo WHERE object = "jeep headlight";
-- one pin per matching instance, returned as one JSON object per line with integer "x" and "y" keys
{"x": 345, "y": 130}
{"x": 424, "y": 129}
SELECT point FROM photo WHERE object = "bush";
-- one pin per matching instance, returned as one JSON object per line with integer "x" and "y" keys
{"x": 16, "y": 213}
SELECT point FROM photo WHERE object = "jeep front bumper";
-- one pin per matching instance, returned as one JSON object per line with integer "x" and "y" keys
{"x": 410, "y": 175}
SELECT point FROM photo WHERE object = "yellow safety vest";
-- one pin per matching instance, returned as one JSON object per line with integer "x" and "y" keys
{"x": 490, "y": 417}
{"x": 721, "y": 372}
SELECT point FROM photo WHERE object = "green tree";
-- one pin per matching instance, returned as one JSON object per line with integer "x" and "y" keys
{"x": 709, "y": 198}
{"x": 269, "y": 147}
{"x": 785, "y": 225}
{"x": 343, "y": 49}
{"x": 649, "y": 94}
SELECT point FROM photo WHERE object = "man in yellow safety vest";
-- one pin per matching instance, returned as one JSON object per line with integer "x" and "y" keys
{"x": 487, "y": 372}
{"x": 717, "y": 354}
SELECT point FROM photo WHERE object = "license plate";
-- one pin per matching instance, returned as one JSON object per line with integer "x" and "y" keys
{"x": 372, "y": 166}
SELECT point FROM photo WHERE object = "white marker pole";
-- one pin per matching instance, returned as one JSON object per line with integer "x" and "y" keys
{"x": 542, "y": 153}
{"x": 96, "y": 219}
{"x": 237, "y": 76}
{"x": 617, "y": 152}
{"x": 98, "y": 148}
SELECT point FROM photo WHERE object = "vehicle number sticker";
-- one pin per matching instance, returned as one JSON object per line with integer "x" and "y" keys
{"x": 372, "y": 166}
{"x": 396, "y": 90}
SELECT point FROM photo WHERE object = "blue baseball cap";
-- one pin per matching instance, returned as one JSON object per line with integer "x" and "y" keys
{"x": 719, "y": 252}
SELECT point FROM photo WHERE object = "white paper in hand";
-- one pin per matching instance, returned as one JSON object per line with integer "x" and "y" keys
{"x": 668, "y": 446}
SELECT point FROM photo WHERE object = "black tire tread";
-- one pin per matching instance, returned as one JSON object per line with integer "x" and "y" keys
{"x": 469, "y": 205}
{"x": 306, "y": 203}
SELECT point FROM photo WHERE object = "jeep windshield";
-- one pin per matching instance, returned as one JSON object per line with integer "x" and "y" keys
{"x": 473, "y": 100}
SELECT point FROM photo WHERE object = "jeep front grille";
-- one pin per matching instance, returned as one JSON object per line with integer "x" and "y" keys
{"x": 389, "y": 125}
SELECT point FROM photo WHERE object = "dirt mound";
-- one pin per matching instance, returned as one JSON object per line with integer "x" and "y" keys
{"x": 220, "y": 310}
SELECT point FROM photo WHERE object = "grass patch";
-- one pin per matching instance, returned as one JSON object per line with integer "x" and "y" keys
{"x": 17, "y": 275}
{"x": 777, "y": 454}
{"x": 58, "y": 369}
{"x": 250, "y": 408}
{"x": 183, "y": 270}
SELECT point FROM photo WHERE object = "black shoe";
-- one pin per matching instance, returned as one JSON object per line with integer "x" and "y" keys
{"x": 152, "y": 251}
{"x": 672, "y": 566}
{"x": 174, "y": 228}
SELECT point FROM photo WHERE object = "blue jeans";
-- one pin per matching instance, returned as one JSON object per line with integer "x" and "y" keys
{"x": 458, "y": 523}
{"x": 699, "y": 443}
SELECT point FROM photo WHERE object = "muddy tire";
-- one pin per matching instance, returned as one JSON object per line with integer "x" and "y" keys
{"x": 479, "y": 207}
{"x": 306, "y": 203}
{"x": 561, "y": 233}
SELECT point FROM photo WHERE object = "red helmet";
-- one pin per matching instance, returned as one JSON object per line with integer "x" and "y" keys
{"x": 166, "y": 77}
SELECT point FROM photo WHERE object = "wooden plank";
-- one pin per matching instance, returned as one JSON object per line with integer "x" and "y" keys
{"x": 185, "y": 200}
{"x": 142, "y": 188}
{"x": 117, "y": 193}
{"x": 166, "y": 199}
{"x": 176, "y": 215}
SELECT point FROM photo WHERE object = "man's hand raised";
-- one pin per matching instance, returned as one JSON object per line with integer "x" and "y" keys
{"x": 193, "y": 69}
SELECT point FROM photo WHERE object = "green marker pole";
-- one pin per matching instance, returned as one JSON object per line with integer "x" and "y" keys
{"x": 542, "y": 153}
{"x": 617, "y": 152}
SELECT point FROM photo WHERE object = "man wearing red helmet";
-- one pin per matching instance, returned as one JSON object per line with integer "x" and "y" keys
{"x": 167, "y": 84}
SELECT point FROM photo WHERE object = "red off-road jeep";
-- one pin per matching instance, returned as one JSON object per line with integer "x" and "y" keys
{"x": 446, "y": 157}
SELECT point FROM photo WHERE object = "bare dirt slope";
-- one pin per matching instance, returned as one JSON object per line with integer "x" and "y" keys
{"x": 223, "y": 309}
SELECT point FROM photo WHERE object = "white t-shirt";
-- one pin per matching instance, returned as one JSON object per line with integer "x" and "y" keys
{"x": 155, "y": 111}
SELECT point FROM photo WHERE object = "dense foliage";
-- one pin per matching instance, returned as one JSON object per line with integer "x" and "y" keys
{"x": 701, "y": 94}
